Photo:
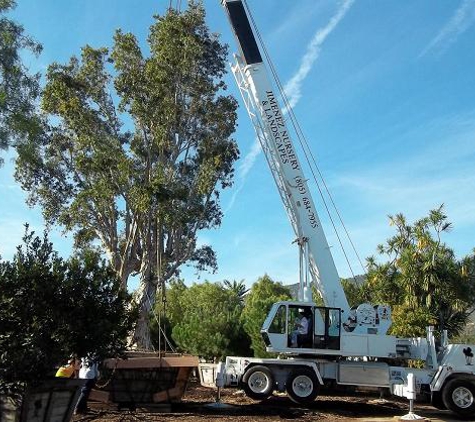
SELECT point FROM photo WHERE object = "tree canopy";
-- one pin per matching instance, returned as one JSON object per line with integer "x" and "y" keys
{"x": 263, "y": 294}
{"x": 18, "y": 89}
{"x": 209, "y": 323}
{"x": 422, "y": 279}
{"x": 142, "y": 192}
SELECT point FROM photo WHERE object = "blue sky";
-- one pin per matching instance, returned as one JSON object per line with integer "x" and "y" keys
{"x": 383, "y": 90}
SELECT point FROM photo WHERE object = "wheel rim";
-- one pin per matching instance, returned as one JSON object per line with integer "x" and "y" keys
{"x": 258, "y": 382}
{"x": 462, "y": 397}
{"x": 302, "y": 386}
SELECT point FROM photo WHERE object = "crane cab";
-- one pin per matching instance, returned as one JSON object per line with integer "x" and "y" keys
{"x": 320, "y": 333}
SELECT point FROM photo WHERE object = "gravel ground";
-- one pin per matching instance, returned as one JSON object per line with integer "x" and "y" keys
{"x": 199, "y": 405}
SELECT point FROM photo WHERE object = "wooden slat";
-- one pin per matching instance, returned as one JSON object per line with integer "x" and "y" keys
{"x": 173, "y": 394}
{"x": 183, "y": 374}
{"x": 152, "y": 362}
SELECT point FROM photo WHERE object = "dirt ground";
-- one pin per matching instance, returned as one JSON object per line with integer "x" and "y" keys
{"x": 199, "y": 405}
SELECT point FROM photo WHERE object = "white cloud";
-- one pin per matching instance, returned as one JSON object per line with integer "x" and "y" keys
{"x": 245, "y": 167}
{"x": 293, "y": 86}
{"x": 462, "y": 19}
{"x": 249, "y": 159}
{"x": 292, "y": 90}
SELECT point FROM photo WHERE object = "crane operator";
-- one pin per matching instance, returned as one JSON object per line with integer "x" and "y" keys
{"x": 301, "y": 327}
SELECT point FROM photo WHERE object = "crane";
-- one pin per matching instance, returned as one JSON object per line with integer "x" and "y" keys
{"x": 341, "y": 346}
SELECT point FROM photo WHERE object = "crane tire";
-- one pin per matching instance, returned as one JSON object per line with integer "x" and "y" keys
{"x": 302, "y": 386}
{"x": 258, "y": 382}
{"x": 458, "y": 396}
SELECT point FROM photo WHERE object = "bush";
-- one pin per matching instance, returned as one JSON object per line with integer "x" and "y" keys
{"x": 51, "y": 308}
{"x": 209, "y": 326}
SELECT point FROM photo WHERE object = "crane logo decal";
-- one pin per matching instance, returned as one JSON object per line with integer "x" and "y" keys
{"x": 279, "y": 132}
{"x": 306, "y": 201}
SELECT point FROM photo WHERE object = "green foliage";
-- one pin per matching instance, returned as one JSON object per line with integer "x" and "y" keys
{"x": 18, "y": 89}
{"x": 316, "y": 296}
{"x": 144, "y": 195}
{"x": 168, "y": 312}
{"x": 240, "y": 343}
{"x": 355, "y": 293}
{"x": 237, "y": 287}
{"x": 423, "y": 280}
{"x": 209, "y": 321}
{"x": 264, "y": 293}
{"x": 174, "y": 310}
{"x": 467, "y": 336}
{"x": 411, "y": 322}
{"x": 98, "y": 302}
{"x": 51, "y": 308}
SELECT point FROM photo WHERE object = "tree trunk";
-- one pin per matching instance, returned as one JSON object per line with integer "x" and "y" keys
{"x": 146, "y": 297}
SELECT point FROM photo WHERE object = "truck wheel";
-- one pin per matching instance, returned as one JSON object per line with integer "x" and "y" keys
{"x": 459, "y": 397}
{"x": 258, "y": 382}
{"x": 302, "y": 386}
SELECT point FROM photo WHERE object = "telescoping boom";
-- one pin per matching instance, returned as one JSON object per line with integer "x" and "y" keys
{"x": 316, "y": 260}
{"x": 274, "y": 136}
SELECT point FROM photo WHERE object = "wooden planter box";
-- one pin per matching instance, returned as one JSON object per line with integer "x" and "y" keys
{"x": 52, "y": 401}
{"x": 144, "y": 379}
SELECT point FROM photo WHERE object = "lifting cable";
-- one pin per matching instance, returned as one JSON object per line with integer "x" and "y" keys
{"x": 177, "y": 6}
{"x": 161, "y": 330}
{"x": 306, "y": 149}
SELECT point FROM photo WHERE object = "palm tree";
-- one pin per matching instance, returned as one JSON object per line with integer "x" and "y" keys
{"x": 237, "y": 287}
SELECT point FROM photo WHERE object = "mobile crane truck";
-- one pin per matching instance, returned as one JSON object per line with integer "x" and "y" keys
{"x": 343, "y": 347}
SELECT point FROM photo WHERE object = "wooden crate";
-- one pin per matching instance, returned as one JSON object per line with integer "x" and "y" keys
{"x": 144, "y": 378}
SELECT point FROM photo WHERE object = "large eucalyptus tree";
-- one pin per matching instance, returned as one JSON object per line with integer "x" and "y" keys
{"x": 142, "y": 176}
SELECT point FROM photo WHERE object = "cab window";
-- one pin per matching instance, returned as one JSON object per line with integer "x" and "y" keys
{"x": 278, "y": 323}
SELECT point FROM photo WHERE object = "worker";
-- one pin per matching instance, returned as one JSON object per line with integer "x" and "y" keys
{"x": 89, "y": 372}
{"x": 301, "y": 327}
{"x": 70, "y": 370}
